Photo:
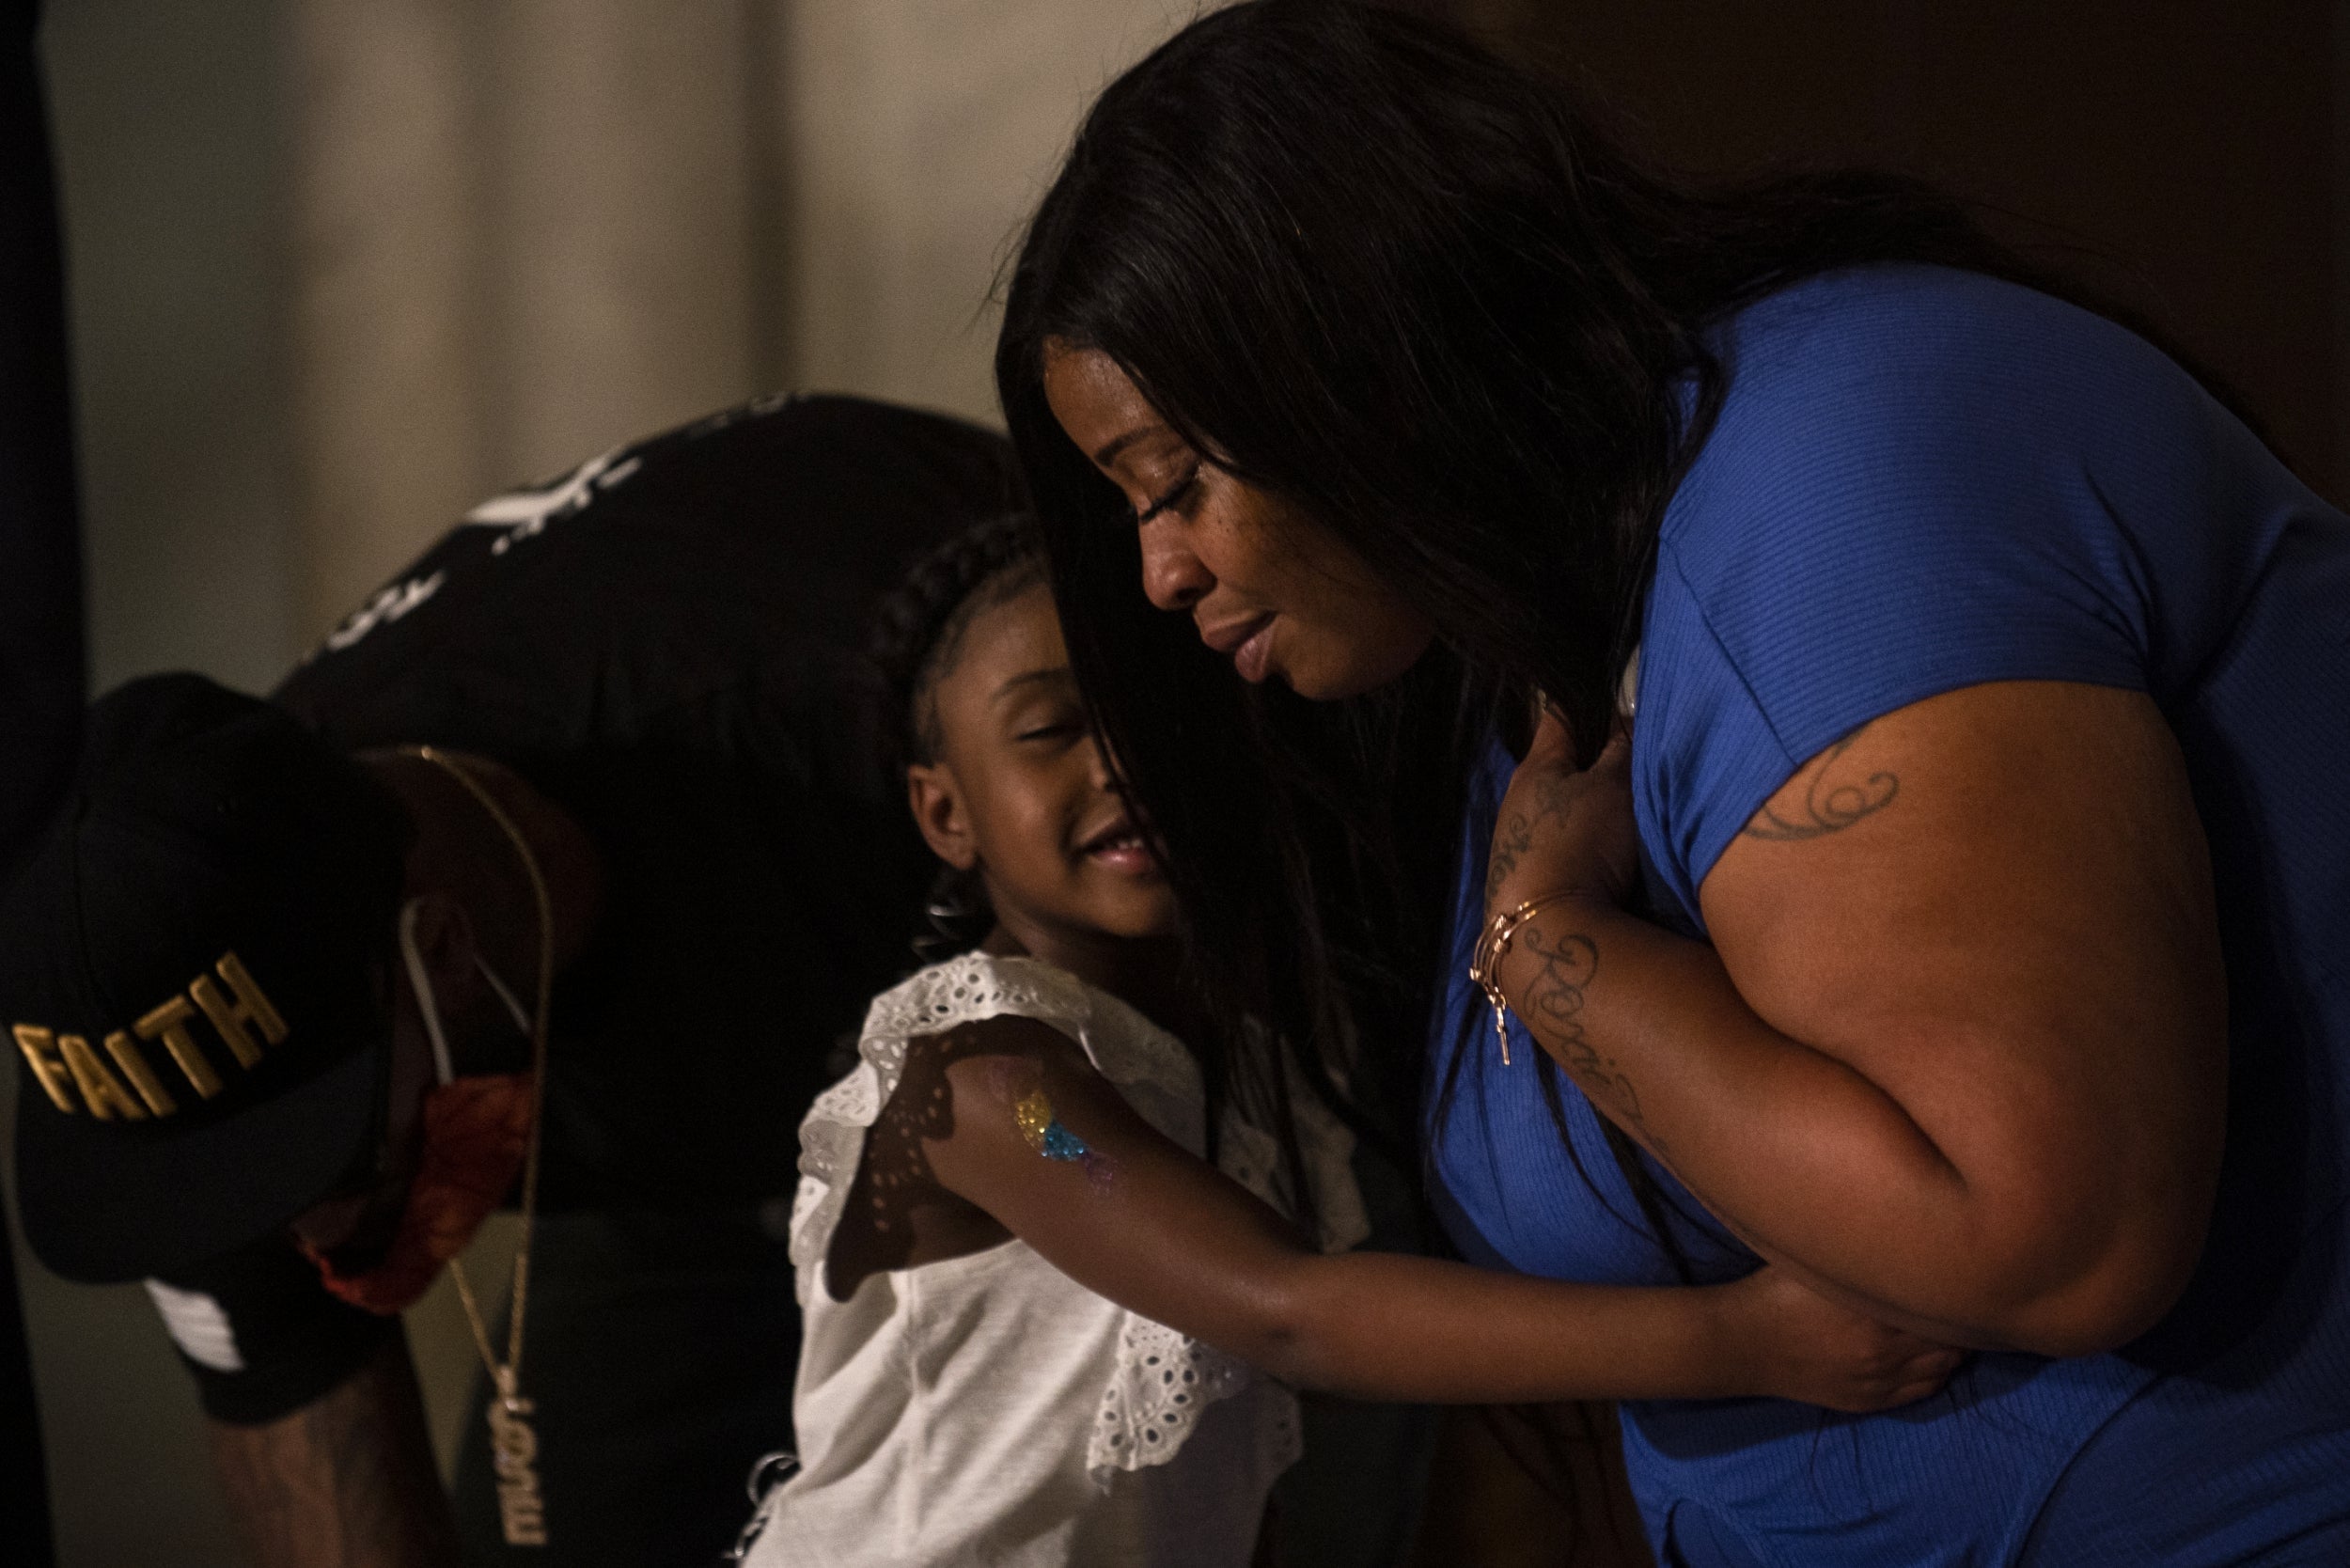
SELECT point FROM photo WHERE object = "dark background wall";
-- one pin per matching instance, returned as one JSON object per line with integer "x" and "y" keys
{"x": 2186, "y": 157}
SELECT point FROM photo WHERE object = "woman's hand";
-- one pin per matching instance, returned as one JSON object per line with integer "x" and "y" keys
{"x": 1956, "y": 1041}
{"x": 1561, "y": 831}
{"x": 1791, "y": 1342}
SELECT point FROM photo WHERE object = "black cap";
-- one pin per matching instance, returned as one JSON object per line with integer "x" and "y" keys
{"x": 190, "y": 966}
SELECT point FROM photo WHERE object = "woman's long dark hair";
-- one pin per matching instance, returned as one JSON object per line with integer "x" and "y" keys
{"x": 1415, "y": 291}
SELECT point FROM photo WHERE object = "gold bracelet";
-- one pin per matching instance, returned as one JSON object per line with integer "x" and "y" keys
{"x": 1491, "y": 946}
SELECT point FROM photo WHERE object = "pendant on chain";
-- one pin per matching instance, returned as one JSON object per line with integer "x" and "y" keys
{"x": 514, "y": 1452}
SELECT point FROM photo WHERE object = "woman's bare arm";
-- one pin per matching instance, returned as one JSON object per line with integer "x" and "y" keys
{"x": 1959, "y": 1049}
{"x": 1167, "y": 1235}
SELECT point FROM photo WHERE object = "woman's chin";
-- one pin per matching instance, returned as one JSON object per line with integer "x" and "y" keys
{"x": 1335, "y": 679}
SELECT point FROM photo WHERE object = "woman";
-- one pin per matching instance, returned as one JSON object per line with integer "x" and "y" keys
{"x": 1961, "y": 926}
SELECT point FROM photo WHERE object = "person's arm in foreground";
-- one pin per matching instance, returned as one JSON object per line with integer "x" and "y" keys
{"x": 1167, "y": 1235}
{"x": 1958, "y": 1052}
{"x": 346, "y": 1481}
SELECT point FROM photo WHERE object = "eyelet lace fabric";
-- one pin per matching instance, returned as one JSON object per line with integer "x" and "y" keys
{"x": 1164, "y": 1380}
{"x": 960, "y": 991}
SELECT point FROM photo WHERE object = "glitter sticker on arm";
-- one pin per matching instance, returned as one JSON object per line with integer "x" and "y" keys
{"x": 1043, "y": 1131}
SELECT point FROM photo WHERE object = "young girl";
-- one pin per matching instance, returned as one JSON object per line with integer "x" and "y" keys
{"x": 1014, "y": 1260}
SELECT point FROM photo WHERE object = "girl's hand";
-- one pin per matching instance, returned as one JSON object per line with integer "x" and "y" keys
{"x": 1561, "y": 831}
{"x": 1796, "y": 1344}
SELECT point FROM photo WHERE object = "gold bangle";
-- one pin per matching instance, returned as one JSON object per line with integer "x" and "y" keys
{"x": 1491, "y": 946}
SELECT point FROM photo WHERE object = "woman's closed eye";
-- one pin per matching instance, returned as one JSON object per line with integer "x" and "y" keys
{"x": 1171, "y": 498}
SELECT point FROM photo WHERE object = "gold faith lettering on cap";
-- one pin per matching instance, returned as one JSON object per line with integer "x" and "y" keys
{"x": 141, "y": 1075}
{"x": 57, "y": 1058}
{"x": 101, "y": 1090}
{"x": 169, "y": 1024}
{"x": 39, "y": 1046}
{"x": 237, "y": 1019}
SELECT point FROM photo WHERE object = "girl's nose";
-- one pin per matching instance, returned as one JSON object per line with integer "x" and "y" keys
{"x": 1173, "y": 578}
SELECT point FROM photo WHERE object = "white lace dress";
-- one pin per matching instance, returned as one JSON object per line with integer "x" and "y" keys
{"x": 988, "y": 1409}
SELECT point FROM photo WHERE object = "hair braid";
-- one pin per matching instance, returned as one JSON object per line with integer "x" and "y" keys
{"x": 914, "y": 642}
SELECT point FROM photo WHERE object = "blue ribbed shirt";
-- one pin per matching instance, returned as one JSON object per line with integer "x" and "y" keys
{"x": 1920, "y": 480}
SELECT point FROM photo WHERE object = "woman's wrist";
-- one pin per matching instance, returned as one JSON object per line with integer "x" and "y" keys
{"x": 1711, "y": 1344}
{"x": 1555, "y": 891}
{"x": 1736, "y": 1341}
{"x": 1494, "y": 940}
{"x": 1552, "y": 954}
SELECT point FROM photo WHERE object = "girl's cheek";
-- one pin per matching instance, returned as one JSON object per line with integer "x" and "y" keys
{"x": 1043, "y": 801}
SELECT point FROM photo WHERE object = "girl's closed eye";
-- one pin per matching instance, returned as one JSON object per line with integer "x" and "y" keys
{"x": 1042, "y": 706}
{"x": 1067, "y": 729}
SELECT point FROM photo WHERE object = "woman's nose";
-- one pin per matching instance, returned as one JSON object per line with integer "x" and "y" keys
{"x": 1172, "y": 577}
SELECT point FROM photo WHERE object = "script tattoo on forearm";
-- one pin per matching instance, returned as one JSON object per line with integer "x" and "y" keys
{"x": 1553, "y": 800}
{"x": 1832, "y": 799}
{"x": 1510, "y": 846}
{"x": 1553, "y": 1008}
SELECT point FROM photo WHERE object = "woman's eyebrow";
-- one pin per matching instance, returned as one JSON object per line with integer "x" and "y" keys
{"x": 1030, "y": 678}
{"x": 1110, "y": 450}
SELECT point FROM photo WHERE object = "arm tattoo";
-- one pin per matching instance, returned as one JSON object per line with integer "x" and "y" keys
{"x": 1553, "y": 1008}
{"x": 1830, "y": 805}
{"x": 1510, "y": 846}
{"x": 1554, "y": 799}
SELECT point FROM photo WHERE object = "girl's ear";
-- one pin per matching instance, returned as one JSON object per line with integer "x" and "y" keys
{"x": 940, "y": 813}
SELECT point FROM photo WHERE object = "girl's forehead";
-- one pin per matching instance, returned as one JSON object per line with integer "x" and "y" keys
{"x": 1005, "y": 645}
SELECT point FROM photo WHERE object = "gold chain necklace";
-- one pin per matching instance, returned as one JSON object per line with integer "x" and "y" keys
{"x": 513, "y": 1445}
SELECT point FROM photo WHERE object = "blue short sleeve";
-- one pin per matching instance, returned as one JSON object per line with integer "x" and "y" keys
{"x": 1920, "y": 480}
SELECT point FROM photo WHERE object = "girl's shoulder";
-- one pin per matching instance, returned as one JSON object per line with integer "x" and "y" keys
{"x": 1152, "y": 1068}
{"x": 970, "y": 987}
{"x": 966, "y": 989}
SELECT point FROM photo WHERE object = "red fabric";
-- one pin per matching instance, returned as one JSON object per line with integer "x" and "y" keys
{"x": 476, "y": 1133}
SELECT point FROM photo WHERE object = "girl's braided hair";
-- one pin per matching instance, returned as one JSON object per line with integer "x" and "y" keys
{"x": 915, "y": 641}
